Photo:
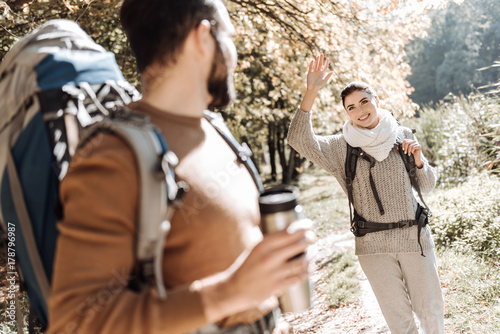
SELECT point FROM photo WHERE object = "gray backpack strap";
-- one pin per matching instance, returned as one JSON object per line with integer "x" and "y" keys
{"x": 4, "y": 148}
{"x": 159, "y": 194}
{"x": 26, "y": 229}
{"x": 242, "y": 151}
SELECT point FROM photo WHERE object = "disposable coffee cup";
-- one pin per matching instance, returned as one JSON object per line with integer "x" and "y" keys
{"x": 279, "y": 208}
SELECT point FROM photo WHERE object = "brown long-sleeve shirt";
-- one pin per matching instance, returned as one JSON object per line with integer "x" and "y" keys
{"x": 218, "y": 219}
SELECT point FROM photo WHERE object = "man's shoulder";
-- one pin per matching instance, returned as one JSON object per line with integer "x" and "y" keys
{"x": 105, "y": 149}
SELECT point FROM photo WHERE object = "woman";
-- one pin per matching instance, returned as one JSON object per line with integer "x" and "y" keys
{"x": 398, "y": 262}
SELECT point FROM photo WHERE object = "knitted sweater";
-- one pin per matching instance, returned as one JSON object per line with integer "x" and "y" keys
{"x": 391, "y": 180}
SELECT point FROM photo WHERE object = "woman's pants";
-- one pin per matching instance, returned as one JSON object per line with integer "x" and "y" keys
{"x": 405, "y": 283}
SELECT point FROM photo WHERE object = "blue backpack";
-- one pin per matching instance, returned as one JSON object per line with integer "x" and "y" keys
{"x": 57, "y": 89}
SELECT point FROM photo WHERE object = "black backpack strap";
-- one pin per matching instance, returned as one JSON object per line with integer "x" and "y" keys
{"x": 242, "y": 151}
{"x": 372, "y": 161}
{"x": 411, "y": 169}
{"x": 351, "y": 161}
{"x": 423, "y": 213}
{"x": 352, "y": 155}
{"x": 422, "y": 218}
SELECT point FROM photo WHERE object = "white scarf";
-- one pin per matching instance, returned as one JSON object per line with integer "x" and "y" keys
{"x": 377, "y": 142}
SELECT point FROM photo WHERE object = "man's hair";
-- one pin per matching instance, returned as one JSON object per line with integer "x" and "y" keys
{"x": 356, "y": 86}
{"x": 157, "y": 29}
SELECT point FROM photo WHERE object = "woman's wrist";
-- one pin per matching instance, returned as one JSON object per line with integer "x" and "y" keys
{"x": 308, "y": 100}
{"x": 312, "y": 90}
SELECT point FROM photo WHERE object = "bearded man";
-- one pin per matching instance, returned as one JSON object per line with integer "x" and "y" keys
{"x": 221, "y": 273}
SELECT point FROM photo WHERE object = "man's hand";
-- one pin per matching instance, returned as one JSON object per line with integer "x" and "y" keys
{"x": 264, "y": 271}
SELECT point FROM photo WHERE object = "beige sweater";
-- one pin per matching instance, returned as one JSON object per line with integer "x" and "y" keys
{"x": 218, "y": 220}
{"x": 391, "y": 179}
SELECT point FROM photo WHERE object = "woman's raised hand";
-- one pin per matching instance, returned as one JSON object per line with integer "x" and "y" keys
{"x": 317, "y": 77}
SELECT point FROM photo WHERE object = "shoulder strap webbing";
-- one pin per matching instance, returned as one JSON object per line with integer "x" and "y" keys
{"x": 4, "y": 147}
{"x": 352, "y": 155}
{"x": 372, "y": 161}
{"x": 27, "y": 229}
{"x": 242, "y": 151}
{"x": 158, "y": 192}
{"x": 411, "y": 169}
{"x": 350, "y": 172}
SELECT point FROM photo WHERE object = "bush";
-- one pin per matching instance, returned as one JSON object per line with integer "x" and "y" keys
{"x": 467, "y": 217}
{"x": 461, "y": 136}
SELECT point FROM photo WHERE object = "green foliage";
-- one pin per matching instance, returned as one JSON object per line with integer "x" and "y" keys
{"x": 460, "y": 40}
{"x": 274, "y": 54}
{"x": 471, "y": 291}
{"x": 324, "y": 201}
{"x": 342, "y": 285}
{"x": 99, "y": 19}
{"x": 467, "y": 217}
{"x": 461, "y": 136}
{"x": 275, "y": 41}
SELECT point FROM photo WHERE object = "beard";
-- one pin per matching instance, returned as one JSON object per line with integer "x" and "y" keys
{"x": 220, "y": 81}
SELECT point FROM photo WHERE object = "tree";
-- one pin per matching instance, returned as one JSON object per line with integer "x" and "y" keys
{"x": 460, "y": 40}
{"x": 275, "y": 51}
{"x": 275, "y": 39}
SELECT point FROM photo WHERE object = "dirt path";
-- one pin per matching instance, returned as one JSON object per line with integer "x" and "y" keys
{"x": 361, "y": 317}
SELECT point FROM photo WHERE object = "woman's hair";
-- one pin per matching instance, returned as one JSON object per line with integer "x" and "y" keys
{"x": 356, "y": 86}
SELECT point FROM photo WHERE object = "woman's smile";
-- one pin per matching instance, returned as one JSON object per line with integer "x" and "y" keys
{"x": 364, "y": 118}
{"x": 362, "y": 109}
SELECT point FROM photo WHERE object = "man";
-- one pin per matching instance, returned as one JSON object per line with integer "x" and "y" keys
{"x": 222, "y": 275}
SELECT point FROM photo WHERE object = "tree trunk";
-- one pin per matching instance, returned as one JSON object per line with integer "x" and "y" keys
{"x": 280, "y": 134}
{"x": 271, "y": 143}
{"x": 287, "y": 178}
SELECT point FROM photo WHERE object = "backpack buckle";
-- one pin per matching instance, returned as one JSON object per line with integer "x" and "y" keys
{"x": 244, "y": 152}
{"x": 427, "y": 212}
{"x": 348, "y": 181}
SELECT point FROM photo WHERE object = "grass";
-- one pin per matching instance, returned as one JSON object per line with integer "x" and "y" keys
{"x": 471, "y": 284}
{"x": 471, "y": 289}
{"x": 326, "y": 204}
{"x": 324, "y": 201}
{"x": 342, "y": 284}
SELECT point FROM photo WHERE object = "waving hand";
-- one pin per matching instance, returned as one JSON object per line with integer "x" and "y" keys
{"x": 317, "y": 77}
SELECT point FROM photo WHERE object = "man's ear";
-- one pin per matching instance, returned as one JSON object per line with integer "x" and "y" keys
{"x": 378, "y": 101}
{"x": 203, "y": 37}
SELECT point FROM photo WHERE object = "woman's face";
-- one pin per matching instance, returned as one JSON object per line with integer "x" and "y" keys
{"x": 362, "y": 109}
